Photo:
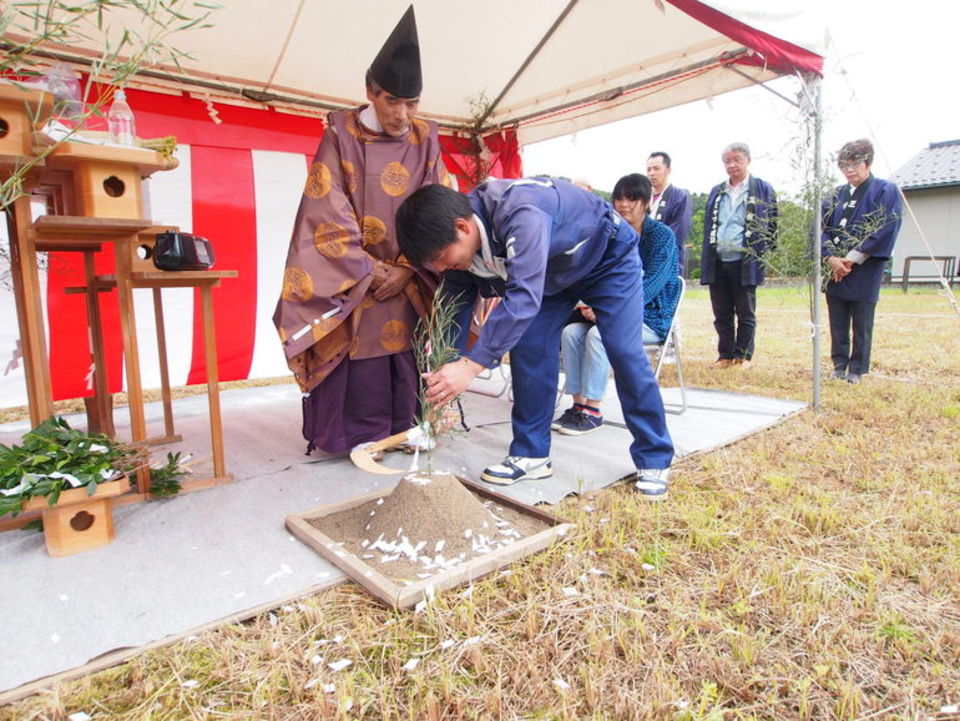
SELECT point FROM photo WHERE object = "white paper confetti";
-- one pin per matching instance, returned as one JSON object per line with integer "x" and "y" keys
{"x": 190, "y": 684}
{"x": 284, "y": 571}
{"x": 411, "y": 664}
{"x": 340, "y": 665}
{"x": 570, "y": 591}
{"x": 561, "y": 684}
{"x": 79, "y": 716}
{"x": 648, "y": 567}
{"x": 329, "y": 688}
{"x": 447, "y": 643}
{"x": 317, "y": 659}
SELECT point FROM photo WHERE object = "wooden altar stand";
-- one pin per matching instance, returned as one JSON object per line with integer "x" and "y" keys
{"x": 93, "y": 198}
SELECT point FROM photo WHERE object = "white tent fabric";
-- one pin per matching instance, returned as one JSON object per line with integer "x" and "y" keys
{"x": 548, "y": 67}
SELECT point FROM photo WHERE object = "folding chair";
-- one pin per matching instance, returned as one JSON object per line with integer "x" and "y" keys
{"x": 671, "y": 344}
{"x": 482, "y": 309}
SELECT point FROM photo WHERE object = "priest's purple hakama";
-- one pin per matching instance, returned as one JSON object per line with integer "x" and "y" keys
{"x": 351, "y": 354}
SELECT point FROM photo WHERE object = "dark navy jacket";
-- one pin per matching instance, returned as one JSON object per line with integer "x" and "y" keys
{"x": 676, "y": 210}
{"x": 550, "y": 234}
{"x": 761, "y": 233}
{"x": 872, "y": 229}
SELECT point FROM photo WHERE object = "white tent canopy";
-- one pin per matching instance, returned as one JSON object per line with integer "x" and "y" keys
{"x": 548, "y": 67}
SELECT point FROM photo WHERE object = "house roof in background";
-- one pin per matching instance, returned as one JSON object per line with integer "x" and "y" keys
{"x": 935, "y": 166}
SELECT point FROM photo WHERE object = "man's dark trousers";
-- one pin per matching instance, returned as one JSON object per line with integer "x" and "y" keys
{"x": 730, "y": 297}
{"x": 614, "y": 289}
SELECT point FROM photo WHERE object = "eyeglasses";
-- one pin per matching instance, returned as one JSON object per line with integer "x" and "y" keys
{"x": 849, "y": 164}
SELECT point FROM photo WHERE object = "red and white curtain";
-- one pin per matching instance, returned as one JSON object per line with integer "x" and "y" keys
{"x": 239, "y": 182}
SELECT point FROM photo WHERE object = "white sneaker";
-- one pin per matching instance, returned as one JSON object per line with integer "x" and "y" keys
{"x": 517, "y": 468}
{"x": 652, "y": 483}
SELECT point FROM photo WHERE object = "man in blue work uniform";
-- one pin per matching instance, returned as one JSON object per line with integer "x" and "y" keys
{"x": 542, "y": 245}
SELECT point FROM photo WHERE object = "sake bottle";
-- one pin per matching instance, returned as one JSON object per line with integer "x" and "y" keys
{"x": 120, "y": 122}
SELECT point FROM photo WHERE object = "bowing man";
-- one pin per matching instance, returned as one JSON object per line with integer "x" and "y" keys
{"x": 545, "y": 244}
{"x": 861, "y": 221}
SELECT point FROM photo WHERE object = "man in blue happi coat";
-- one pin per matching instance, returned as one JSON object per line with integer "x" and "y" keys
{"x": 739, "y": 227}
{"x": 669, "y": 204}
{"x": 861, "y": 220}
{"x": 542, "y": 245}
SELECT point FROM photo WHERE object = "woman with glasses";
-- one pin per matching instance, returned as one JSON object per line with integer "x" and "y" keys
{"x": 861, "y": 220}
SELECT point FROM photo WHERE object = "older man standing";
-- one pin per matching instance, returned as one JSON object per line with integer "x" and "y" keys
{"x": 350, "y": 300}
{"x": 669, "y": 204}
{"x": 740, "y": 226}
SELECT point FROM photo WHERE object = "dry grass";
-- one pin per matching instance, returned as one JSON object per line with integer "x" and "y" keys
{"x": 809, "y": 572}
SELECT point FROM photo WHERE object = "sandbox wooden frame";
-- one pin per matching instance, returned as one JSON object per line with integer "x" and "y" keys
{"x": 402, "y": 596}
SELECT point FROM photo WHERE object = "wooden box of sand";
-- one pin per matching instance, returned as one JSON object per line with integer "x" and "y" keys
{"x": 430, "y": 532}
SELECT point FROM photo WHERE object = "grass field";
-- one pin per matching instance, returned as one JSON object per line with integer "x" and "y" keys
{"x": 808, "y": 572}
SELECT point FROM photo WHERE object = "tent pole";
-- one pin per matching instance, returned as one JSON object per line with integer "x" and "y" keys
{"x": 815, "y": 240}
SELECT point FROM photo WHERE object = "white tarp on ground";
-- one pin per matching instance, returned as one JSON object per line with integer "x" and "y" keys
{"x": 184, "y": 562}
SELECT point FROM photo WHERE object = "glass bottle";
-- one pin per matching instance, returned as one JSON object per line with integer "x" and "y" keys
{"x": 120, "y": 122}
{"x": 63, "y": 84}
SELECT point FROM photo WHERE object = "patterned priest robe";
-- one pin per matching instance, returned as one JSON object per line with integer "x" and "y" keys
{"x": 351, "y": 354}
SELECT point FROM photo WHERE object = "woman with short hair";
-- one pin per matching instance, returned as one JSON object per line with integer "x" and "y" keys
{"x": 861, "y": 220}
{"x": 584, "y": 358}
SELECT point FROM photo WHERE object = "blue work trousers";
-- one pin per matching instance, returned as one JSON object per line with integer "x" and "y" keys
{"x": 614, "y": 290}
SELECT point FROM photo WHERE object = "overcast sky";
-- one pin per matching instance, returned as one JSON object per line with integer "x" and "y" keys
{"x": 889, "y": 75}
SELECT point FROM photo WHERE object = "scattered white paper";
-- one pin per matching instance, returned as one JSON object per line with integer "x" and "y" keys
{"x": 472, "y": 640}
{"x": 190, "y": 684}
{"x": 421, "y": 604}
{"x": 311, "y": 683}
{"x": 447, "y": 643}
{"x": 80, "y": 716}
{"x": 340, "y": 665}
{"x": 570, "y": 591}
{"x": 411, "y": 664}
{"x": 317, "y": 659}
{"x": 272, "y": 619}
{"x": 648, "y": 567}
{"x": 284, "y": 571}
{"x": 561, "y": 684}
